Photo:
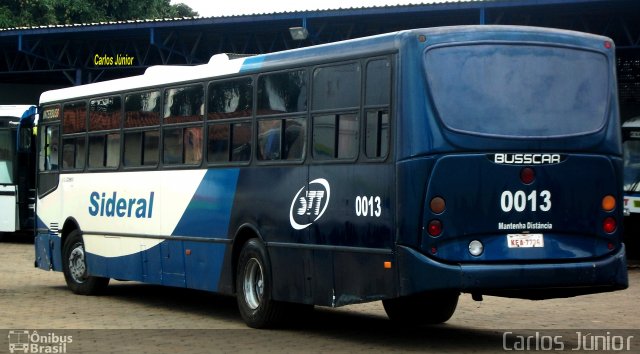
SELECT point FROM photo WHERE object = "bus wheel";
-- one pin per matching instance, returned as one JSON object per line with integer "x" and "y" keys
{"x": 253, "y": 287}
{"x": 75, "y": 269}
{"x": 428, "y": 308}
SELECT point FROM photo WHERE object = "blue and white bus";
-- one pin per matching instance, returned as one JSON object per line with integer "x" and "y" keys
{"x": 408, "y": 167}
{"x": 17, "y": 169}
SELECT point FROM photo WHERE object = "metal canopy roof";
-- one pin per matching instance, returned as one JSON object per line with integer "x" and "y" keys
{"x": 69, "y": 54}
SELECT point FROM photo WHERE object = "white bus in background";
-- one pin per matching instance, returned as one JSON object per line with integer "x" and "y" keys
{"x": 631, "y": 148}
{"x": 631, "y": 144}
{"x": 17, "y": 168}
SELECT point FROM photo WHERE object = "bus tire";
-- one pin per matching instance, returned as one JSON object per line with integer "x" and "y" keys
{"x": 75, "y": 269}
{"x": 427, "y": 308}
{"x": 253, "y": 288}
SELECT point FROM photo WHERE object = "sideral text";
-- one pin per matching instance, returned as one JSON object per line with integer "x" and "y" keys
{"x": 114, "y": 206}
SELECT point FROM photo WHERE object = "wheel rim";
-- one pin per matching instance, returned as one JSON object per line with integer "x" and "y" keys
{"x": 77, "y": 267}
{"x": 253, "y": 284}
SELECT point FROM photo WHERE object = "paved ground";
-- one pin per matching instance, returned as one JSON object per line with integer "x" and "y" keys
{"x": 138, "y": 318}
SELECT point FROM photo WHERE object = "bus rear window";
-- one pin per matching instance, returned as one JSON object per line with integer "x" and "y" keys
{"x": 519, "y": 90}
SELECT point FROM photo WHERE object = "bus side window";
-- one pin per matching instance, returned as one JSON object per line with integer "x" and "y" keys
{"x": 335, "y": 105}
{"x": 104, "y": 117}
{"x": 269, "y": 139}
{"x": 377, "y": 102}
{"x": 295, "y": 137}
{"x": 241, "y": 142}
{"x": 183, "y": 104}
{"x": 183, "y": 144}
{"x": 284, "y": 92}
{"x": 282, "y": 138}
{"x": 49, "y": 148}
{"x": 142, "y": 147}
{"x": 230, "y": 141}
{"x": 73, "y": 152}
{"x": 230, "y": 99}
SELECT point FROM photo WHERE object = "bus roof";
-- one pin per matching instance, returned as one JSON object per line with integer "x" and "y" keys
{"x": 18, "y": 111}
{"x": 221, "y": 64}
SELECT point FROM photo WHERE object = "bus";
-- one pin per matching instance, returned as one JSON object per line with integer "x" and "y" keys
{"x": 408, "y": 167}
{"x": 631, "y": 182}
{"x": 17, "y": 169}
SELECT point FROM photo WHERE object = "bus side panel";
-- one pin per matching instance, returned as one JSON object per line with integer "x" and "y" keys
{"x": 126, "y": 267}
{"x": 173, "y": 263}
{"x": 202, "y": 264}
{"x": 43, "y": 251}
{"x": 323, "y": 281}
{"x": 412, "y": 183}
{"x": 291, "y": 274}
{"x": 261, "y": 209}
{"x": 357, "y": 228}
{"x": 152, "y": 265}
{"x": 363, "y": 277}
{"x": 176, "y": 215}
{"x": 48, "y": 254}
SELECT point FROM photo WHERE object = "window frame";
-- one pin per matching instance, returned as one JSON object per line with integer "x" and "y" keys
{"x": 183, "y": 125}
{"x": 391, "y": 59}
{"x": 337, "y": 112}
{"x": 143, "y": 129}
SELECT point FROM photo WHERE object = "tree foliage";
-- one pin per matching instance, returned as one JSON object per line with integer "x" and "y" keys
{"x": 20, "y": 13}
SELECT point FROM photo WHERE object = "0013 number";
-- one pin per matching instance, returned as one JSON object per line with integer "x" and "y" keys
{"x": 520, "y": 201}
{"x": 368, "y": 206}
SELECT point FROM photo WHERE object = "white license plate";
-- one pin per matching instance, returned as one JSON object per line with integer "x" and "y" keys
{"x": 525, "y": 240}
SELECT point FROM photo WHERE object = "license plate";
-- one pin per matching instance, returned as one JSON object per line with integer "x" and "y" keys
{"x": 525, "y": 240}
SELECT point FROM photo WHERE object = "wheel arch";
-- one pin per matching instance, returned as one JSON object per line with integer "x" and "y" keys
{"x": 69, "y": 226}
{"x": 244, "y": 233}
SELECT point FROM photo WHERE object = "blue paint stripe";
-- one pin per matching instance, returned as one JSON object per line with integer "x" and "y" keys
{"x": 209, "y": 211}
{"x": 252, "y": 63}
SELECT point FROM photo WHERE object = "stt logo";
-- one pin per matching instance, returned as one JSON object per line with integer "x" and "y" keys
{"x": 310, "y": 203}
{"x": 307, "y": 203}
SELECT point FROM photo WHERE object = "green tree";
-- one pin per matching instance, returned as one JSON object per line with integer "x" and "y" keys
{"x": 21, "y": 13}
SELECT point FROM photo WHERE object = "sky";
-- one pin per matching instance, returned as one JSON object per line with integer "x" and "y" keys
{"x": 210, "y": 8}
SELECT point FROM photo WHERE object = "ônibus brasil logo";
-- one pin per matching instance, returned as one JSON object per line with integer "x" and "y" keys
{"x": 312, "y": 202}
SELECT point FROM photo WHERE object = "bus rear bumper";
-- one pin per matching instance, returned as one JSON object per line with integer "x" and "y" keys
{"x": 419, "y": 273}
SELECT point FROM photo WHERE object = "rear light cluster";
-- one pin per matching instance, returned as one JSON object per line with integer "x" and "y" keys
{"x": 437, "y": 206}
{"x": 609, "y": 224}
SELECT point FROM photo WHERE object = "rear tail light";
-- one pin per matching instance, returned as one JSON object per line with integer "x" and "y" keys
{"x": 609, "y": 225}
{"x": 435, "y": 228}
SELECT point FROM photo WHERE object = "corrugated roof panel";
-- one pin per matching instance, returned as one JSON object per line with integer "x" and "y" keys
{"x": 423, "y": 3}
{"x": 435, "y": 4}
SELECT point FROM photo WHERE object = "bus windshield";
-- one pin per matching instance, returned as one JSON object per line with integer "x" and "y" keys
{"x": 515, "y": 90}
{"x": 7, "y": 153}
